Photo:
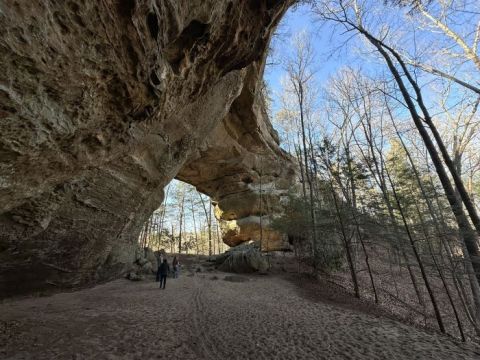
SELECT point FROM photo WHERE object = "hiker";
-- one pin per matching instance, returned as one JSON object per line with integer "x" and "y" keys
{"x": 163, "y": 270}
{"x": 175, "y": 265}
{"x": 159, "y": 261}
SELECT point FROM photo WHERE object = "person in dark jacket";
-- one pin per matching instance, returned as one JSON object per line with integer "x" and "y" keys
{"x": 163, "y": 271}
{"x": 160, "y": 260}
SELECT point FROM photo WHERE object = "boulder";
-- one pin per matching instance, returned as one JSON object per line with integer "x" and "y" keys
{"x": 147, "y": 268}
{"x": 245, "y": 258}
{"x": 151, "y": 258}
{"x": 142, "y": 261}
{"x": 139, "y": 255}
{"x": 220, "y": 258}
{"x": 145, "y": 261}
{"x": 133, "y": 276}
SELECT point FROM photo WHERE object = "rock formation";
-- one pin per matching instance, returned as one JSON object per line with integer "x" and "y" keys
{"x": 102, "y": 103}
{"x": 145, "y": 263}
{"x": 245, "y": 258}
{"x": 242, "y": 168}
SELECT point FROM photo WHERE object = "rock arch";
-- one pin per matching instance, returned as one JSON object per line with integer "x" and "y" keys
{"x": 102, "y": 104}
{"x": 243, "y": 169}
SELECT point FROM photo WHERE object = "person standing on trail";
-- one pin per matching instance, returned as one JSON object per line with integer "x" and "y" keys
{"x": 175, "y": 265}
{"x": 163, "y": 270}
{"x": 160, "y": 260}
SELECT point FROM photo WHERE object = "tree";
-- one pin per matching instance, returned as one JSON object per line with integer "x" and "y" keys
{"x": 352, "y": 16}
{"x": 300, "y": 76}
{"x": 208, "y": 217}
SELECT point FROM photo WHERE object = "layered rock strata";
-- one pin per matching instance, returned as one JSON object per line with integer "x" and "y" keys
{"x": 102, "y": 103}
{"x": 243, "y": 169}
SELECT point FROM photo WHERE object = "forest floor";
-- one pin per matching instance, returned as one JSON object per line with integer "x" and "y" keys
{"x": 213, "y": 315}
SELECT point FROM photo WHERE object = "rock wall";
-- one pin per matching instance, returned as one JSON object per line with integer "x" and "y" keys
{"x": 102, "y": 103}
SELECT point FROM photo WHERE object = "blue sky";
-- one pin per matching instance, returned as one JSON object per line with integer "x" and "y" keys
{"x": 331, "y": 56}
{"x": 294, "y": 21}
{"x": 327, "y": 61}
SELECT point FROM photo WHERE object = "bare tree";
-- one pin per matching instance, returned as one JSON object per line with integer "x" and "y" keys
{"x": 300, "y": 77}
{"x": 351, "y": 15}
{"x": 208, "y": 217}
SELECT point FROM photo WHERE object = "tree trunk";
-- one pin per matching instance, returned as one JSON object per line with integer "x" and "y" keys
{"x": 308, "y": 176}
{"x": 417, "y": 256}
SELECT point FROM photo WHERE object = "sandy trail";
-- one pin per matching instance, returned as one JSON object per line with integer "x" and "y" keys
{"x": 198, "y": 317}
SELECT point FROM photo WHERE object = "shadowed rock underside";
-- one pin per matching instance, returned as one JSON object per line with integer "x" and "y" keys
{"x": 102, "y": 103}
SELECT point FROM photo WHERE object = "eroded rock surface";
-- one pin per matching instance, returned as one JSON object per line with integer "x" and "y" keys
{"x": 102, "y": 103}
{"x": 243, "y": 169}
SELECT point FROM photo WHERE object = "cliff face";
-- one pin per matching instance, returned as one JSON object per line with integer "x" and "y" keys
{"x": 102, "y": 103}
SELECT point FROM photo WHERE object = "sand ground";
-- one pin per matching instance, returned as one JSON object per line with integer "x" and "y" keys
{"x": 203, "y": 316}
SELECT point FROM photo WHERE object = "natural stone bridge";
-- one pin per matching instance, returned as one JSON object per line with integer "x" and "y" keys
{"x": 102, "y": 103}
